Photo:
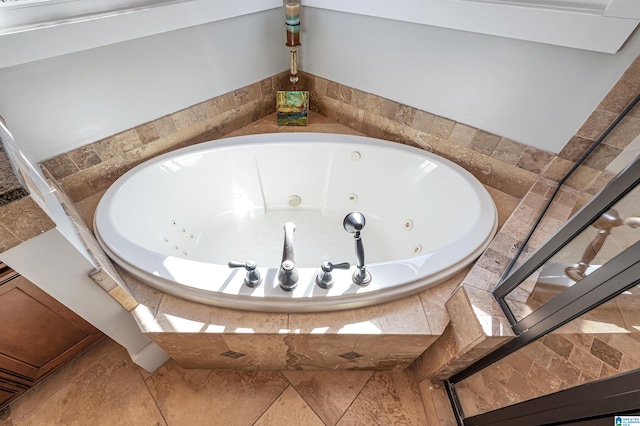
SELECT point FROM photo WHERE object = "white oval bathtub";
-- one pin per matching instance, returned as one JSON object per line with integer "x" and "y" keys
{"x": 175, "y": 221}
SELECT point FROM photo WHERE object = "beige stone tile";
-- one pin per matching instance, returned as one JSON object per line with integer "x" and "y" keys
{"x": 535, "y": 160}
{"x": 463, "y": 318}
{"x": 381, "y": 107}
{"x": 462, "y": 134}
{"x": 180, "y": 315}
{"x": 329, "y": 393}
{"x": 601, "y": 180}
{"x": 234, "y": 321}
{"x": 264, "y": 352}
{"x": 86, "y": 156}
{"x": 442, "y": 404}
{"x": 70, "y": 372}
{"x": 80, "y": 185}
{"x": 404, "y": 316}
{"x": 427, "y": 401}
{"x": 597, "y": 122}
{"x": 522, "y": 387}
{"x": 143, "y": 294}
{"x": 60, "y": 166}
{"x": 87, "y": 207}
{"x": 438, "y": 361}
{"x": 358, "y": 97}
{"x": 442, "y": 127}
{"x": 189, "y": 116}
{"x": 481, "y": 278}
{"x": 485, "y": 142}
{"x": 195, "y": 350}
{"x": 505, "y": 204}
{"x": 5, "y": 417}
{"x": 350, "y": 117}
{"x": 214, "y": 397}
{"x": 433, "y": 301}
{"x": 406, "y": 114}
{"x": 387, "y": 399}
{"x": 325, "y": 323}
{"x": 109, "y": 392}
{"x": 603, "y": 155}
{"x": 508, "y": 151}
{"x": 493, "y": 261}
{"x": 575, "y": 148}
{"x": 423, "y": 121}
{"x": 557, "y": 168}
{"x": 147, "y": 133}
{"x": 389, "y": 352}
{"x": 586, "y": 362}
{"x": 319, "y": 351}
{"x": 289, "y": 409}
{"x": 247, "y": 94}
{"x": 625, "y": 132}
{"x": 339, "y": 92}
{"x": 471, "y": 402}
{"x": 509, "y": 179}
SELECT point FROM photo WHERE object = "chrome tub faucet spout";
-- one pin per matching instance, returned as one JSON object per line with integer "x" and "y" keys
{"x": 288, "y": 273}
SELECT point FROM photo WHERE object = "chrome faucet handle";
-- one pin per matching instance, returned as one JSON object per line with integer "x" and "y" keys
{"x": 253, "y": 278}
{"x": 324, "y": 278}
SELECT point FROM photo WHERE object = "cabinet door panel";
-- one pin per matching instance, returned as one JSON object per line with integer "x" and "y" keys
{"x": 9, "y": 389}
{"x": 37, "y": 333}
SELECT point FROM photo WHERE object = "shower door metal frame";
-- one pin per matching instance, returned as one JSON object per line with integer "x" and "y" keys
{"x": 609, "y": 280}
{"x": 620, "y": 186}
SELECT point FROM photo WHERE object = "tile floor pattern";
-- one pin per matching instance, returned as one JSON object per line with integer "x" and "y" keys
{"x": 601, "y": 343}
{"x": 104, "y": 387}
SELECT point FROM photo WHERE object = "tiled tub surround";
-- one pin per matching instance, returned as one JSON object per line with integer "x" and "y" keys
{"x": 103, "y": 387}
{"x": 477, "y": 325}
{"x": 383, "y": 337}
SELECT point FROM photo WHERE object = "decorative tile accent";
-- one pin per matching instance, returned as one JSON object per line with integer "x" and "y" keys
{"x": 350, "y": 355}
{"x": 232, "y": 354}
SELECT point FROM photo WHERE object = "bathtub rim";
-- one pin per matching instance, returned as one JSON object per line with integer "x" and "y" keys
{"x": 265, "y": 304}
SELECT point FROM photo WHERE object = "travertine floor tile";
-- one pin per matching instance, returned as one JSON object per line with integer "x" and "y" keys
{"x": 62, "y": 377}
{"x": 110, "y": 392}
{"x": 387, "y": 399}
{"x": 214, "y": 397}
{"x": 329, "y": 393}
{"x": 289, "y": 409}
{"x": 5, "y": 417}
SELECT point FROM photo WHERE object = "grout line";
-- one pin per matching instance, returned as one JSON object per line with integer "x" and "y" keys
{"x": 275, "y": 399}
{"x": 155, "y": 402}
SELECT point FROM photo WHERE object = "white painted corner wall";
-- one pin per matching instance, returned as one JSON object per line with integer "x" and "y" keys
{"x": 57, "y": 104}
{"x": 533, "y": 93}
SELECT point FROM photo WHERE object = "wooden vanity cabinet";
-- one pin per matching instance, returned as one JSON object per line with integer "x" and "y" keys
{"x": 37, "y": 334}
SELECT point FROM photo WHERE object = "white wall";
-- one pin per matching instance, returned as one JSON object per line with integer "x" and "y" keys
{"x": 55, "y": 105}
{"x": 533, "y": 93}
